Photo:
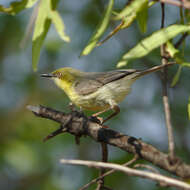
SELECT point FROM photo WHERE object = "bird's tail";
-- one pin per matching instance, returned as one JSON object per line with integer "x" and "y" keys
{"x": 153, "y": 69}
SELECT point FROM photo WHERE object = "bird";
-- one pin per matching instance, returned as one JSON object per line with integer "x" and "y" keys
{"x": 98, "y": 91}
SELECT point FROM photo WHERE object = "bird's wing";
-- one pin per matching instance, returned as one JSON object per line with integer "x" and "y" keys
{"x": 92, "y": 81}
{"x": 107, "y": 77}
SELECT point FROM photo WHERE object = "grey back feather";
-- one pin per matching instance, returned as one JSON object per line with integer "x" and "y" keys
{"x": 92, "y": 81}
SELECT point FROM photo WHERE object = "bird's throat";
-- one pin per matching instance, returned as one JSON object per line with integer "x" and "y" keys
{"x": 66, "y": 86}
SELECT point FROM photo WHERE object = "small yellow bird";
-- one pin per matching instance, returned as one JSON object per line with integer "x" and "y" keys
{"x": 98, "y": 91}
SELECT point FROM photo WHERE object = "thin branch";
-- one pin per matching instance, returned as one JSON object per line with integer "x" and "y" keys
{"x": 171, "y": 145}
{"x": 55, "y": 133}
{"x": 78, "y": 124}
{"x": 147, "y": 167}
{"x": 108, "y": 173}
{"x": 154, "y": 170}
{"x": 185, "y": 4}
{"x": 131, "y": 172}
{"x": 113, "y": 32}
{"x": 104, "y": 148}
{"x": 163, "y": 15}
{"x": 181, "y": 40}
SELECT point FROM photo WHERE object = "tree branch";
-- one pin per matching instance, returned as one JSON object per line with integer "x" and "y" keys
{"x": 131, "y": 172}
{"x": 185, "y": 3}
{"x": 108, "y": 173}
{"x": 171, "y": 145}
{"x": 79, "y": 125}
{"x": 181, "y": 40}
{"x": 104, "y": 148}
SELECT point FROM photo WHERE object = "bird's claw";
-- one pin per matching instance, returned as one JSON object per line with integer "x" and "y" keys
{"x": 96, "y": 119}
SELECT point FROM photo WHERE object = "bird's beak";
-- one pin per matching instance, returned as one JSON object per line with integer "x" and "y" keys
{"x": 49, "y": 75}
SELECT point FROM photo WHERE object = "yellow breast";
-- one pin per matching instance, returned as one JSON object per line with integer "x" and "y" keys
{"x": 68, "y": 89}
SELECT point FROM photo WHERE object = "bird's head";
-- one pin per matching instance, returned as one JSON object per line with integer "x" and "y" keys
{"x": 63, "y": 77}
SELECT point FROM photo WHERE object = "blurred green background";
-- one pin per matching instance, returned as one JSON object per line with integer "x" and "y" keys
{"x": 28, "y": 163}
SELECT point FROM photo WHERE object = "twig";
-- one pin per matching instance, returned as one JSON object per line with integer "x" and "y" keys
{"x": 163, "y": 15}
{"x": 180, "y": 41}
{"x": 147, "y": 167}
{"x": 104, "y": 148}
{"x": 154, "y": 170}
{"x": 108, "y": 173}
{"x": 55, "y": 133}
{"x": 171, "y": 145}
{"x": 185, "y": 4}
{"x": 131, "y": 172}
{"x": 113, "y": 32}
{"x": 80, "y": 125}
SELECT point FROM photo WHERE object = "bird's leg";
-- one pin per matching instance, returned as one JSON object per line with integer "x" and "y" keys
{"x": 114, "y": 107}
{"x": 98, "y": 113}
{"x": 116, "y": 110}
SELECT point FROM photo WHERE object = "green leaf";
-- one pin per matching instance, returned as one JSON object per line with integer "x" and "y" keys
{"x": 142, "y": 17}
{"x": 125, "y": 23}
{"x": 171, "y": 49}
{"x": 174, "y": 53}
{"x": 37, "y": 43}
{"x": 186, "y": 64}
{"x": 133, "y": 7}
{"x": 46, "y": 15}
{"x": 140, "y": 13}
{"x": 129, "y": 20}
{"x": 59, "y": 25}
{"x": 176, "y": 77}
{"x": 16, "y": 7}
{"x": 100, "y": 30}
{"x": 151, "y": 42}
{"x": 42, "y": 25}
{"x": 133, "y": 15}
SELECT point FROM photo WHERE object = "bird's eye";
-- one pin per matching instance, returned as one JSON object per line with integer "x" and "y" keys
{"x": 59, "y": 75}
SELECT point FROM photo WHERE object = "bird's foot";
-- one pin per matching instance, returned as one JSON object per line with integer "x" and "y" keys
{"x": 96, "y": 119}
